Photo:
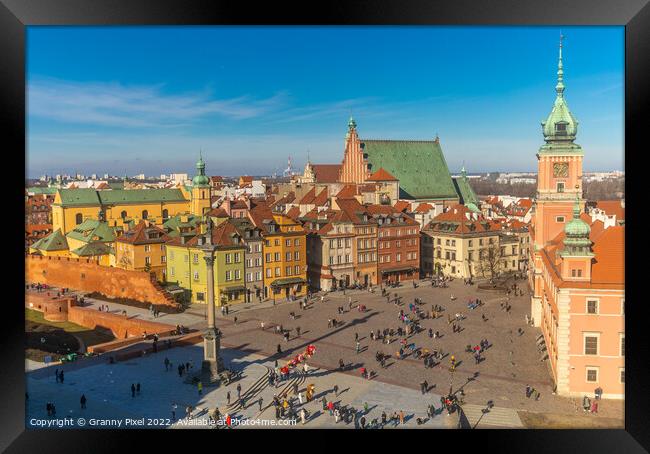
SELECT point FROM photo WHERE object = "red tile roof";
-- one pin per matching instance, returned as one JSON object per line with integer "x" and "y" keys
{"x": 424, "y": 208}
{"x": 382, "y": 175}
{"x": 612, "y": 207}
{"x": 321, "y": 199}
{"x": 326, "y": 173}
{"x": 402, "y": 206}
{"x": 143, "y": 233}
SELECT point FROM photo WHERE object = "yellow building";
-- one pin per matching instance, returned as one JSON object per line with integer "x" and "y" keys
{"x": 187, "y": 267}
{"x": 284, "y": 248}
{"x": 143, "y": 249}
{"x": 71, "y": 207}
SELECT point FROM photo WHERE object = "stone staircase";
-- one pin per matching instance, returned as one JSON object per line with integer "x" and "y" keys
{"x": 168, "y": 297}
{"x": 495, "y": 418}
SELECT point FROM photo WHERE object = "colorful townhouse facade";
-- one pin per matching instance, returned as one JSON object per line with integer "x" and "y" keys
{"x": 187, "y": 267}
{"x": 143, "y": 249}
{"x": 285, "y": 253}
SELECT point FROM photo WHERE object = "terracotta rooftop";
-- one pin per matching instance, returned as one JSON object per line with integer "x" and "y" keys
{"x": 381, "y": 175}
{"x": 326, "y": 173}
{"x": 612, "y": 207}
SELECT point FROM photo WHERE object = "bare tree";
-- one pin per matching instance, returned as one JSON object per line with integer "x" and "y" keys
{"x": 490, "y": 260}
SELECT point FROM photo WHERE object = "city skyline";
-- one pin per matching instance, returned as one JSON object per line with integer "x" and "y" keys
{"x": 147, "y": 99}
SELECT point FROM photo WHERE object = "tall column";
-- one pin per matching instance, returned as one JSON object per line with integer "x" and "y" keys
{"x": 212, "y": 362}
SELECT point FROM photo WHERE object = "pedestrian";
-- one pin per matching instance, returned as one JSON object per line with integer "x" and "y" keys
{"x": 174, "y": 407}
{"x": 235, "y": 320}
{"x": 238, "y": 390}
{"x": 83, "y": 401}
{"x": 401, "y": 417}
{"x": 363, "y": 422}
{"x": 166, "y": 364}
{"x": 336, "y": 390}
{"x": 528, "y": 390}
{"x": 260, "y": 401}
{"x": 228, "y": 397}
{"x": 199, "y": 385}
{"x": 137, "y": 388}
{"x": 298, "y": 331}
{"x": 132, "y": 390}
{"x": 279, "y": 349}
{"x": 262, "y": 325}
{"x": 358, "y": 347}
{"x": 365, "y": 407}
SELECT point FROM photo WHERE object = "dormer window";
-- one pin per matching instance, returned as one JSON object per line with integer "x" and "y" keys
{"x": 560, "y": 128}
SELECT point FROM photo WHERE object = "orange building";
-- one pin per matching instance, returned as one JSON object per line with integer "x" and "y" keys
{"x": 578, "y": 277}
{"x": 142, "y": 249}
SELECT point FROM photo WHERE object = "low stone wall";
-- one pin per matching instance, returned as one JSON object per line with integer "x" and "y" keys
{"x": 87, "y": 276}
{"x": 121, "y": 326}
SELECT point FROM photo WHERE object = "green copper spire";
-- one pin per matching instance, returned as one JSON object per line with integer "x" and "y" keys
{"x": 576, "y": 231}
{"x": 200, "y": 179}
{"x": 560, "y": 126}
{"x": 352, "y": 124}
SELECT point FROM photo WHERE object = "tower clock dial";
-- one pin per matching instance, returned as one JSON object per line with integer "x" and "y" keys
{"x": 561, "y": 169}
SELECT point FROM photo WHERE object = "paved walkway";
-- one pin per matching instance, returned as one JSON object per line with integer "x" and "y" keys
{"x": 107, "y": 388}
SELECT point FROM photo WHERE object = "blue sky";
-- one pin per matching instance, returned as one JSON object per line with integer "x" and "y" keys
{"x": 147, "y": 99}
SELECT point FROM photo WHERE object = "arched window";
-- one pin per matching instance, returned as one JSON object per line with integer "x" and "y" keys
{"x": 78, "y": 218}
{"x": 165, "y": 213}
{"x": 203, "y": 194}
{"x": 123, "y": 214}
{"x": 145, "y": 214}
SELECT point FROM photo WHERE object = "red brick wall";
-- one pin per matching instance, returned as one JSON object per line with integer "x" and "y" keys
{"x": 87, "y": 276}
{"x": 54, "y": 309}
{"x": 122, "y": 326}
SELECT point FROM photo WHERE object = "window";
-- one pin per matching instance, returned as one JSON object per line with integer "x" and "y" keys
{"x": 560, "y": 128}
{"x": 249, "y": 263}
{"x": 560, "y": 186}
{"x": 228, "y": 275}
{"x": 287, "y": 243}
{"x": 258, "y": 261}
{"x": 268, "y": 257}
{"x": 577, "y": 273}
{"x": 172, "y": 271}
{"x": 592, "y": 306}
{"x": 591, "y": 344}
{"x": 145, "y": 214}
{"x": 287, "y": 256}
{"x": 147, "y": 248}
{"x": 147, "y": 260}
{"x": 398, "y": 257}
{"x": 592, "y": 374}
{"x": 269, "y": 272}
{"x": 165, "y": 214}
{"x": 296, "y": 269}
{"x": 447, "y": 255}
{"x": 237, "y": 274}
{"x": 228, "y": 258}
{"x": 277, "y": 242}
{"x": 480, "y": 242}
{"x": 622, "y": 375}
{"x": 196, "y": 275}
{"x": 296, "y": 255}
{"x": 78, "y": 218}
{"x": 470, "y": 243}
{"x": 123, "y": 214}
{"x": 277, "y": 256}
{"x": 296, "y": 242}
{"x": 277, "y": 271}
{"x": 237, "y": 257}
{"x": 559, "y": 219}
{"x": 287, "y": 271}
{"x": 258, "y": 275}
{"x": 469, "y": 256}
{"x": 200, "y": 296}
{"x": 249, "y": 277}
{"x": 331, "y": 260}
{"x": 347, "y": 258}
{"x": 622, "y": 344}
{"x": 186, "y": 258}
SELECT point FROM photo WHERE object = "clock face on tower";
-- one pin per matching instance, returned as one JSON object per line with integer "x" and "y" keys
{"x": 561, "y": 169}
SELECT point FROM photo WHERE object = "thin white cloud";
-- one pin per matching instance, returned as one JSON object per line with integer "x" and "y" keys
{"x": 114, "y": 104}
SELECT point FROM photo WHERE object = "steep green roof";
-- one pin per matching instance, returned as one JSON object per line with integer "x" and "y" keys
{"x": 41, "y": 190}
{"x": 174, "y": 223}
{"x": 141, "y": 195}
{"x": 465, "y": 191}
{"x": 92, "y": 230}
{"x": 92, "y": 249}
{"x": 55, "y": 241}
{"x": 419, "y": 165}
{"x": 72, "y": 197}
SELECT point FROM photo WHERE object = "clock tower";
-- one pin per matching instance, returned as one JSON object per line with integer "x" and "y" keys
{"x": 559, "y": 161}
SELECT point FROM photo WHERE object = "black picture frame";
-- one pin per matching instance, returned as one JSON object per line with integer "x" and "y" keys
{"x": 15, "y": 15}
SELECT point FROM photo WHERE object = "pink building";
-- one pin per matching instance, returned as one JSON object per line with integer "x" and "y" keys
{"x": 578, "y": 277}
